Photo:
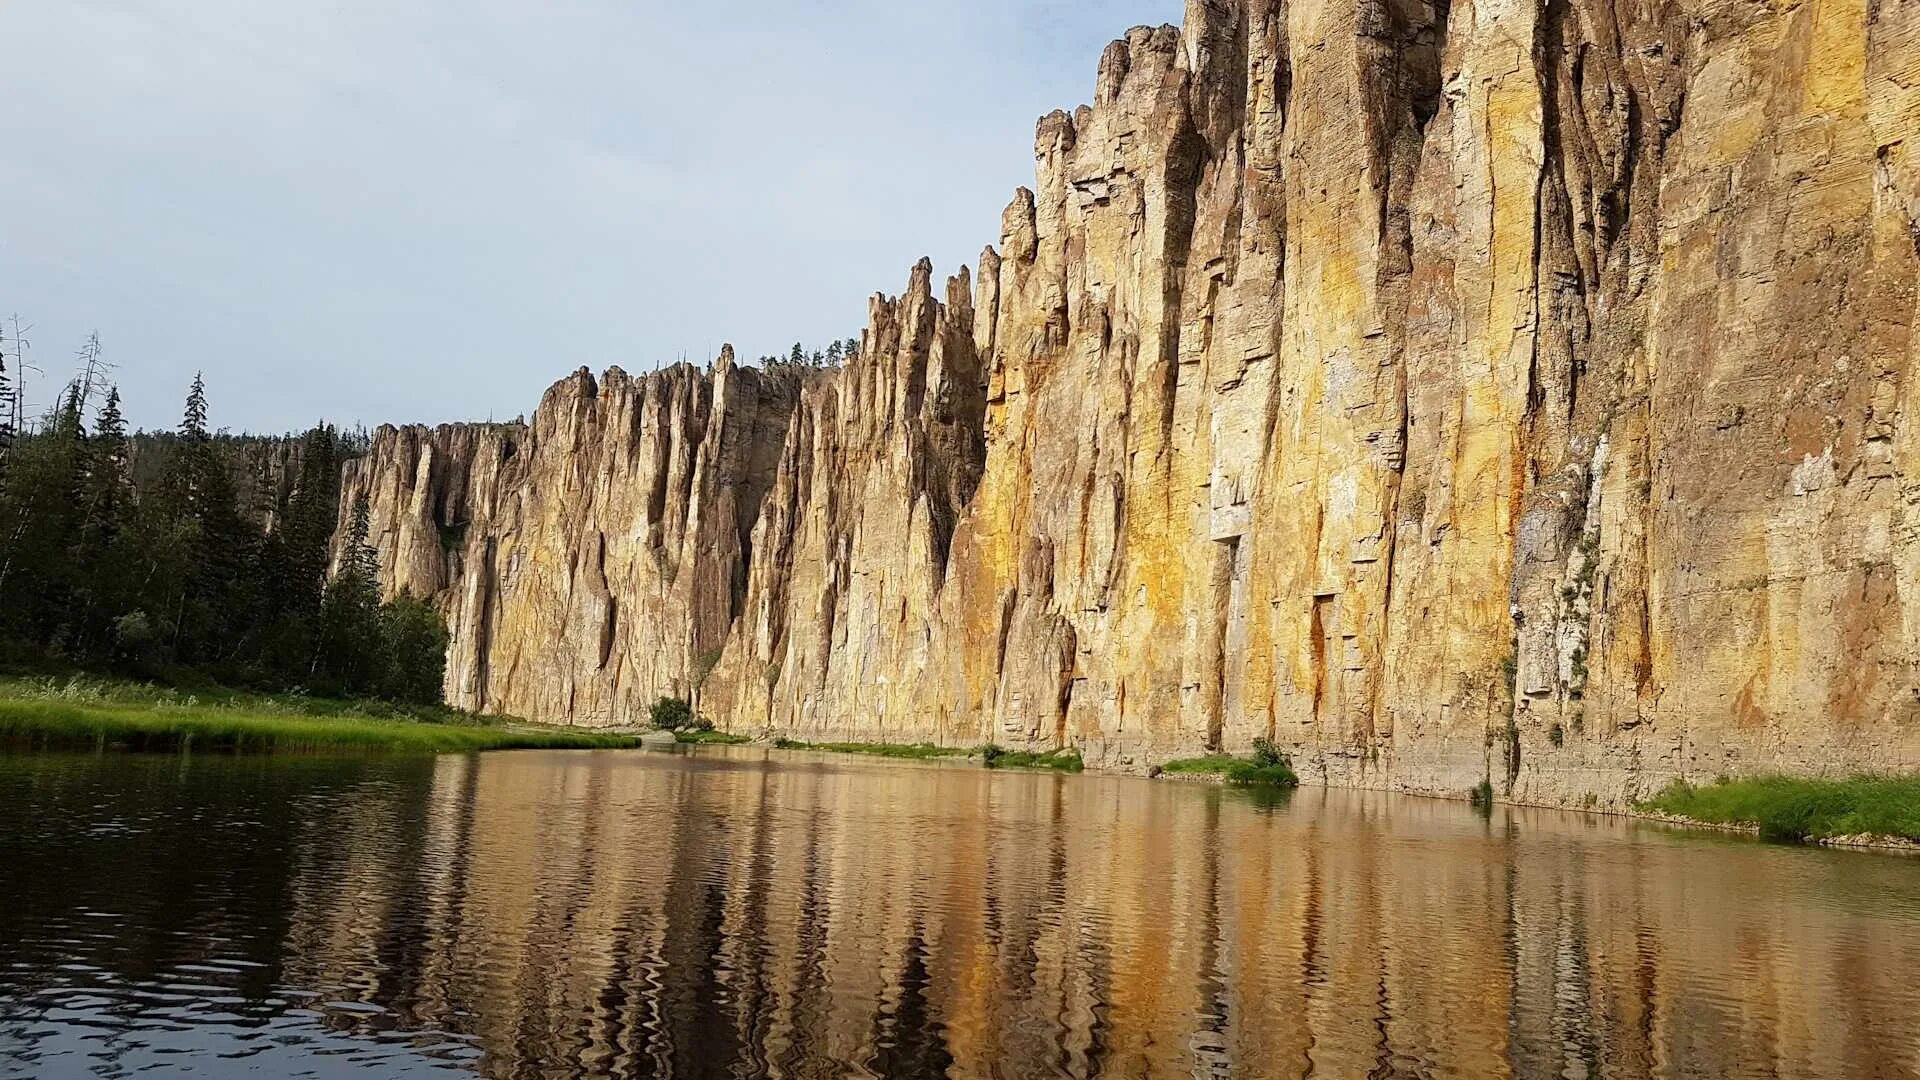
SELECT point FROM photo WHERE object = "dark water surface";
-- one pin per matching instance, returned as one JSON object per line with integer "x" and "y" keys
{"x": 754, "y": 913}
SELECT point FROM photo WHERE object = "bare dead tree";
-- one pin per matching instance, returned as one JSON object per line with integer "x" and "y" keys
{"x": 17, "y": 407}
{"x": 94, "y": 369}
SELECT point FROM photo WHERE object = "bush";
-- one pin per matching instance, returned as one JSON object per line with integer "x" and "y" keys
{"x": 1481, "y": 796}
{"x": 135, "y": 638}
{"x": 671, "y": 713}
{"x": 1251, "y": 774}
{"x": 1266, "y": 755}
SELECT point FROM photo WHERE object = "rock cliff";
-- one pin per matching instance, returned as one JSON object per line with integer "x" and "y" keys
{"x": 1517, "y": 389}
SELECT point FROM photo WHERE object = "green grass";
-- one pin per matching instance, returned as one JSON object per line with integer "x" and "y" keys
{"x": 914, "y": 751}
{"x": 709, "y": 736}
{"x": 1210, "y": 765}
{"x": 1253, "y": 774}
{"x": 51, "y": 713}
{"x": 1265, "y": 767}
{"x": 1784, "y": 808}
{"x": 1063, "y": 760}
{"x": 993, "y": 757}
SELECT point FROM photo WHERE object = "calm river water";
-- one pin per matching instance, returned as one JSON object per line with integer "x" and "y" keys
{"x": 736, "y": 913}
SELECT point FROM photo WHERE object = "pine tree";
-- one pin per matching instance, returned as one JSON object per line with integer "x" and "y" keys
{"x": 361, "y": 561}
{"x": 834, "y": 348}
{"x": 414, "y": 650}
{"x": 44, "y": 494}
{"x": 350, "y": 636}
{"x": 851, "y": 350}
{"x": 211, "y": 550}
{"x": 798, "y": 357}
{"x": 193, "y": 423}
{"x": 105, "y": 585}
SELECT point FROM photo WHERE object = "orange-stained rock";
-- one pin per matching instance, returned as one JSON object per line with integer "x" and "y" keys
{"x": 1502, "y": 389}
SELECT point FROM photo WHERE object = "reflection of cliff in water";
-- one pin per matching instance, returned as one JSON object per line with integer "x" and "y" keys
{"x": 630, "y": 916}
{"x": 641, "y": 914}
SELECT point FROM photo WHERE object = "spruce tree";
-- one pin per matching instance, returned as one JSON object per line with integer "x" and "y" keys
{"x": 798, "y": 357}
{"x": 42, "y": 513}
{"x": 414, "y": 651}
{"x": 101, "y": 558}
{"x": 350, "y": 645}
{"x": 212, "y": 548}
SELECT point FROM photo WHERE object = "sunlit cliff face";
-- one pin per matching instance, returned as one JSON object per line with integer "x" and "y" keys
{"x": 1498, "y": 391}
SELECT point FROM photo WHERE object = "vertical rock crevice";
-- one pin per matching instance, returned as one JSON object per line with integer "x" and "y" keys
{"x": 1409, "y": 382}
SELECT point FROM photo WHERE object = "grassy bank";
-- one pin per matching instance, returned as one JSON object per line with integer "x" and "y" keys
{"x": 699, "y": 736}
{"x": 1265, "y": 767}
{"x": 1783, "y": 808}
{"x": 1059, "y": 760}
{"x": 1210, "y": 765}
{"x": 914, "y": 751}
{"x": 993, "y": 757}
{"x": 94, "y": 713}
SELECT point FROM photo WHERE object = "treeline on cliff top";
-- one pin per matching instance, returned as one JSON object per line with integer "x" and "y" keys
{"x": 183, "y": 574}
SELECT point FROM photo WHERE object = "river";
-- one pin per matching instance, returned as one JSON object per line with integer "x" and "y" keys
{"x": 744, "y": 912}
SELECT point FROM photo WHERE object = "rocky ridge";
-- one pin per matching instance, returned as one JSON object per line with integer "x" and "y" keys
{"x": 1512, "y": 390}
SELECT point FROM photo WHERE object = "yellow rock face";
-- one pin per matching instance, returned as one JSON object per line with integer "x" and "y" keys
{"x": 1495, "y": 391}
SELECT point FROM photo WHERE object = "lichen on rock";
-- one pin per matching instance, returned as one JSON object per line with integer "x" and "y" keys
{"x": 1499, "y": 389}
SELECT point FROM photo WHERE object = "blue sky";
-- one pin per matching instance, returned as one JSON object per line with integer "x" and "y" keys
{"x": 370, "y": 210}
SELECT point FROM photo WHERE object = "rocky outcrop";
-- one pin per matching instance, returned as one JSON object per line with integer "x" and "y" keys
{"x": 594, "y": 558}
{"x": 1516, "y": 390}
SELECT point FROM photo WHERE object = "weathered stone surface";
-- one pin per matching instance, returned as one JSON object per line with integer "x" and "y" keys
{"x": 1500, "y": 389}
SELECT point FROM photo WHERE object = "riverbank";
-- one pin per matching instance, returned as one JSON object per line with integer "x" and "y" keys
{"x": 1862, "y": 811}
{"x": 90, "y": 713}
{"x": 1265, "y": 767}
{"x": 991, "y": 756}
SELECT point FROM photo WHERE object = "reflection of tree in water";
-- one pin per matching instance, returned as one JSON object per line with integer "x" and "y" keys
{"x": 908, "y": 1037}
{"x": 638, "y": 916}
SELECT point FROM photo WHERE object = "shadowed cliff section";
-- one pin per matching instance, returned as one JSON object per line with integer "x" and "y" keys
{"x": 1511, "y": 390}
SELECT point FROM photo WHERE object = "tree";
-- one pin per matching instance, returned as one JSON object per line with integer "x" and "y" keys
{"x": 203, "y": 552}
{"x": 193, "y": 422}
{"x": 798, "y": 357}
{"x": 834, "y": 349}
{"x": 415, "y": 651}
{"x": 6, "y": 409}
{"x": 101, "y": 558}
{"x": 43, "y": 495}
{"x": 349, "y": 655}
{"x": 851, "y": 350}
{"x": 670, "y": 714}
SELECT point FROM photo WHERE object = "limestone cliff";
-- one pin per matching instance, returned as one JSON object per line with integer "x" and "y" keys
{"x": 1517, "y": 389}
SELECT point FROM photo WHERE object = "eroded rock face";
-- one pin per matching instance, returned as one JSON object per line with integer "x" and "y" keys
{"x": 1504, "y": 389}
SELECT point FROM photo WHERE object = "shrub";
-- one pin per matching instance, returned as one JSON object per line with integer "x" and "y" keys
{"x": 1253, "y": 774}
{"x": 135, "y": 637}
{"x": 670, "y": 713}
{"x": 1481, "y": 795}
{"x": 1266, "y": 755}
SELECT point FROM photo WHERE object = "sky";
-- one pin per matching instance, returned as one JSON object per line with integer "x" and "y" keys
{"x": 428, "y": 210}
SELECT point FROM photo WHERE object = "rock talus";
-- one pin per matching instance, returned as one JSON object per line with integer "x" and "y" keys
{"x": 1505, "y": 389}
